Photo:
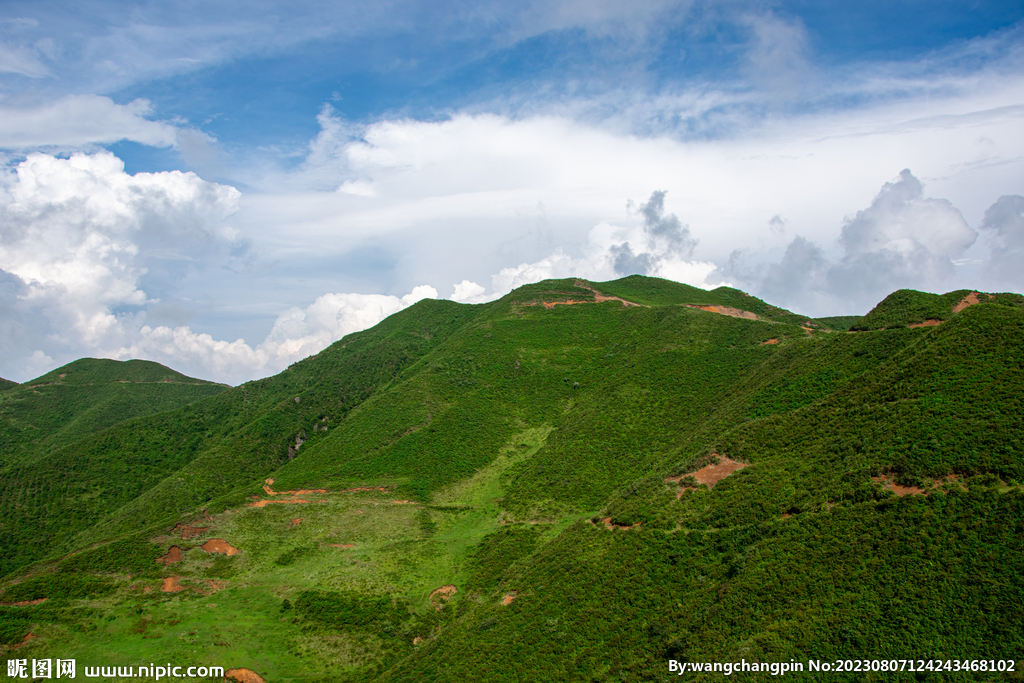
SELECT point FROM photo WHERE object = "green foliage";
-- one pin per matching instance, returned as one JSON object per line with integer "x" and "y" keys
{"x": 907, "y": 306}
{"x": 146, "y": 471}
{"x": 497, "y": 552}
{"x": 58, "y": 586}
{"x": 6, "y": 384}
{"x": 840, "y": 323}
{"x": 518, "y": 429}
{"x": 333, "y": 609}
{"x": 289, "y": 557}
{"x": 131, "y": 555}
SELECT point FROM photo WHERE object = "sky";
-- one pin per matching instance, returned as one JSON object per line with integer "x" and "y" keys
{"x": 227, "y": 188}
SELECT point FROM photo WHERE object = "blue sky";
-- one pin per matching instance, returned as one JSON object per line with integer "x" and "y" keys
{"x": 228, "y": 187}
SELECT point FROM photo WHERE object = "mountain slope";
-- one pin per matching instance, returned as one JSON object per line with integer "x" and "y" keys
{"x": 576, "y": 482}
{"x": 163, "y": 464}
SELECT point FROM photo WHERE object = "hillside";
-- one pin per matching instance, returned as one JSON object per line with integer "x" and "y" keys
{"x": 576, "y": 482}
{"x": 6, "y": 384}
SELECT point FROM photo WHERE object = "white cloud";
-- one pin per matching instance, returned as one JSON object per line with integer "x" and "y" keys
{"x": 903, "y": 240}
{"x": 79, "y": 121}
{"x": 296, "y": 334}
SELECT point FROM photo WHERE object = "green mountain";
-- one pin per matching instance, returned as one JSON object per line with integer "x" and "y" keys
{"x": 580, "y": 481}
{"x": 6, "y": 384}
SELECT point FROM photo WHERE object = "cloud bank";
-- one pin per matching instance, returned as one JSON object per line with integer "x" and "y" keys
{"x": 83, "y": 246}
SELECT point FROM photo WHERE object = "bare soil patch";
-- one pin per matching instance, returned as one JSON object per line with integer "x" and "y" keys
{"x": 968, "y": 300}
{"x": 607, "y": 521}
{"x": 405, "y": 502}
{"x": 441, "y": 595}
{"x": 769, "y": 342}
{"x": 216, "y": 585}
{"x": 709, "y": 475}
{"x": 725, "y": 310}
{"x": 173, "y": 556}
{"x": 899, "y": 490}
{"x": 509, "y": 597}
{"x": 344, "y": 546}
{"x": 219, "y": 545}
{"x": 171, "y": 585}
{"x": 931, "y": 322}
{"x": 417, "y": 640}
{"x": 297, "y": 521}
{"x": 243, "y": 676}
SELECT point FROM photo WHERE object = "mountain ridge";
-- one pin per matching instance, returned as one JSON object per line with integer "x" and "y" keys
{"x": 484, "y": 479}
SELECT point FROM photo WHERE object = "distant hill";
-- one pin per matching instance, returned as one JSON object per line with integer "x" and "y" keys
{"x": 87, "y": 396}
{"x": 907, "y": 307}
{"x": 6, "y": 384}
{"x": 577, "y": 482}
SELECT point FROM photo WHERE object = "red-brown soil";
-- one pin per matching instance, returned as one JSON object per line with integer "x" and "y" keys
{"x": 607, "y": 521}
{"x": 173, "y": 555}
{"x": 968, "y": 300}
{"x": 405, "y": 502}
{"x": 509, "y": 597}
{"x": 290, "y": 501}
{"x": 441, "y": 595}
{"x": 598, "y": 298}
{"x": 24, "y": 603}
{"x": 300, "y": 492}
{"x": 899, "y": 490}
{"x": 171, "y": 585}
{"x": 417, "y": 640}
{"x": 243, "y": 676}
{"x": 297, "y": 521}
{"x": 726, "y": 310}
{"x": 927, "y": 323}
{"x": 709, "y": 475}
{"x": 216, "y": 585}
{"x": 27, "y": 638}
{"x": 769, "y": 341}
{"x": 342, "y": 545}
{"x": 188, "y": 531}
{"x": 219, "y": 545}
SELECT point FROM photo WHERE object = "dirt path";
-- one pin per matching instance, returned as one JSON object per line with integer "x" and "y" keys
{"x": 300, "y": 492}
{"x": 24, "y": 603}
{"x": 265, "y": 503}
{"x": 931, "y": 322}
{"x": 598, "y": 298}
{"x": 725, "y": 310}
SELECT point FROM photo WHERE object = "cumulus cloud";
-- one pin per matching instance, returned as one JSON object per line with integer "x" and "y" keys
{"x": 1003, "y": 230}
{"x": 79, "y": 121}
{"x": 296, "y": 334}
{"x": 608, "y": 254}
{"x": 902, "y": 240}
{"x": 84, "y": 246}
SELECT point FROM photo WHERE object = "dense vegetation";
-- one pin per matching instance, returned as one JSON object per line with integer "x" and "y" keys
{"x": 510, "y": 491}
